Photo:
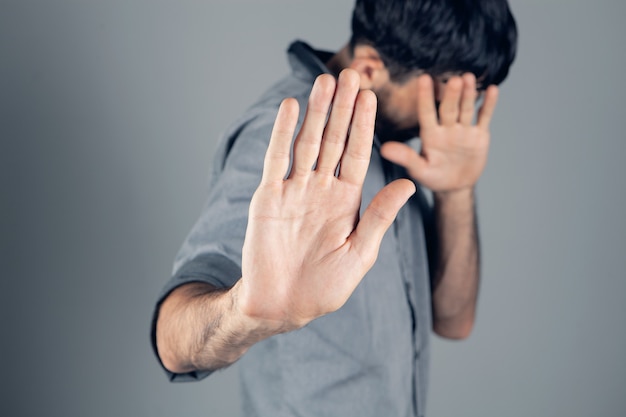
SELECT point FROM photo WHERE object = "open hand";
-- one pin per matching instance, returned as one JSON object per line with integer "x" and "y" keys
{"x": 305, "y": 248}
{"x": 454, "y": 149}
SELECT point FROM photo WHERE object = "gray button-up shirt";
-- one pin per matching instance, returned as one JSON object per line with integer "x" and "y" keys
{"x": 369, "y": 358}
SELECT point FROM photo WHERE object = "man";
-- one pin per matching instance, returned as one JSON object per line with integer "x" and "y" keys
{"x": 299, "y": 276}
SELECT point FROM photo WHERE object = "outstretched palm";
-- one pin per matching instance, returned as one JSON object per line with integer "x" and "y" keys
{"x": 454, "y": 149}
{"x": 305, "y": 249}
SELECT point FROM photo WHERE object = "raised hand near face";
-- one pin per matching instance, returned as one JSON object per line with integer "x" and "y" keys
{"x": 306, "y": 249}
{"x": 454, "y": 148}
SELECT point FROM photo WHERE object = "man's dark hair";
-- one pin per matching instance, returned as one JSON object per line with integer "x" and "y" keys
{"x": 438, "y": 36}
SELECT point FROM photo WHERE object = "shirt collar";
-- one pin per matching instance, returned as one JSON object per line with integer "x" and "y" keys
{"x": 307, "y": 62}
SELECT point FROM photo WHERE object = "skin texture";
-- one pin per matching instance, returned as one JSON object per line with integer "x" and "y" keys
{"x": 454, "y": 150}
{"x": 311, "y": 218}
{"x": 316, "y": 211}
{"x": 452, "y": 158}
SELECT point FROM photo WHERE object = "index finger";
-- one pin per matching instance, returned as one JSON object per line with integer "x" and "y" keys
{"x": 489, "y": 105}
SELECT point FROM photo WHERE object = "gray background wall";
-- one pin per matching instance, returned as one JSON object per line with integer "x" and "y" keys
{"x": 109, "y": 114}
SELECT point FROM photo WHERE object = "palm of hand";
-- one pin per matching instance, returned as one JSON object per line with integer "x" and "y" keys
{"x": 455, "y": 157}
{"x": 318, "y": 218}
{"x": 306, "y": 249}
{"x": 454, "y": 150}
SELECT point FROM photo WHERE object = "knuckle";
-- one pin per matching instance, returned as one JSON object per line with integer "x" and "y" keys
{"x": 335, "y": 137}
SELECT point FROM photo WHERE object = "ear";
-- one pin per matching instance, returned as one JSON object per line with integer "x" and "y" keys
{"x": 370, "y": 66}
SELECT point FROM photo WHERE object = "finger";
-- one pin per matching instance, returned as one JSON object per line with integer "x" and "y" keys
{"x": 449, "y": 107}
{"x": 307, "y": 144}
{"x": 486, "y": 111}
{"x": 356, "y": 156}
{"x": 426, "y": 112}
{"x": 468, "y": 102}
{"x": 336, "y": 131}
{"x": 405, "y": 156}
{"x": 377, "y": 218}
{"x": 278, "y": 152}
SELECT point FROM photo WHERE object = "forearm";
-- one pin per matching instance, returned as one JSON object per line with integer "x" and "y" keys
{"x": 201, "y": 328}
{"x": 457, "y": 267}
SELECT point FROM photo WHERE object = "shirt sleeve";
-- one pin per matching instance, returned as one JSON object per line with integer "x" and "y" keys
{"x": 211, "y": 253}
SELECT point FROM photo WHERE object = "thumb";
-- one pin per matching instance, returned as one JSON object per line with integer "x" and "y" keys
{"x": 405, "y": 156}
{"x": 377, "y": 218}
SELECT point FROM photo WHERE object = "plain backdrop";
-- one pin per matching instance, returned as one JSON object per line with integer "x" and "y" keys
{"x": 109, "y": 116}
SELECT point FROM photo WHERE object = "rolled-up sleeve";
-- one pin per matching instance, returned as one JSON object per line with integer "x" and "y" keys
{"x": 211, "y": 253}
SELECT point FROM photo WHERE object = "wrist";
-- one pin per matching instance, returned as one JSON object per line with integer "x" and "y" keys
{"x": 248, "y": 319}
{"x": 461, "y": 195}
{"x": 456, "y": 208}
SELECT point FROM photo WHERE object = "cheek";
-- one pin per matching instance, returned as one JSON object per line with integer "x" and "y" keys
{"x": 397, "y": 110}
{"x": 406, "y": 115}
